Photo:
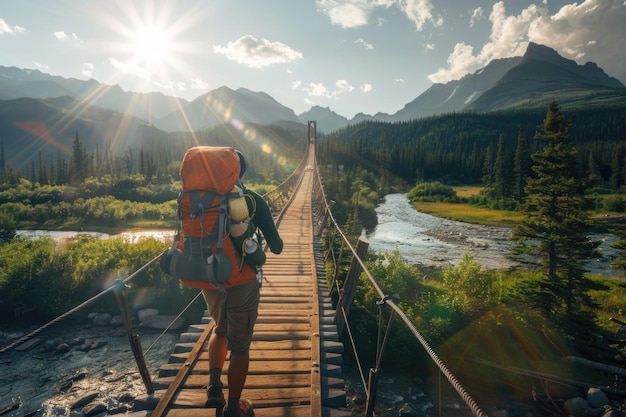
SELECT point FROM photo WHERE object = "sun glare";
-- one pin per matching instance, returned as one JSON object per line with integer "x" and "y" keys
{"x": 151, "y": 40}
{"x": 151, "y": 46}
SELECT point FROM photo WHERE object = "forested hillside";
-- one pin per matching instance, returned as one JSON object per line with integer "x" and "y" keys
{"x": 156, "y": 158}
{"x": 454, "y": 147}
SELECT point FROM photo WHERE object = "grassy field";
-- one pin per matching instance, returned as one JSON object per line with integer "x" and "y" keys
{"x": 479, "y": 215}
{"x": 470, "y": 214}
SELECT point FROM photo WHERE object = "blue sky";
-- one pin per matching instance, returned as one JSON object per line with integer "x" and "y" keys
{"x": 353, "y": 56}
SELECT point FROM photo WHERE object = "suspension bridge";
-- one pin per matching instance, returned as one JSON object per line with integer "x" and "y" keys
{"x": 295, "y": 357}
{"x": 296, "y": 353}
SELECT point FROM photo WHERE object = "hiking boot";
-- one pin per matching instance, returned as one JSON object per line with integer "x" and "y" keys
{"x": 244, "y": 410}
{"x": 215, "y": 396}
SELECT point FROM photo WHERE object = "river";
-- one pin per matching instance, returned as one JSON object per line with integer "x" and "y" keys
{"x": 420, "y": 238}
{"x": 423, "y": 239}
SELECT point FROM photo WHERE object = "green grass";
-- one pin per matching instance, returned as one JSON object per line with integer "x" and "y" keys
{"x": 470, "y": 214}
{"x": 480, "y": 215}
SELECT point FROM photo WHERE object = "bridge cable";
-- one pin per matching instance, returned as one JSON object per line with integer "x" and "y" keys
{"x": 442, "y": 367}
{"x": 173, "y": 321}
{"x": 79, "y": 307}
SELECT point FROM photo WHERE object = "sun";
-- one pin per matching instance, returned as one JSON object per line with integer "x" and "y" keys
{"x": 149, "y": 41}
{"x": 151, "y": 46}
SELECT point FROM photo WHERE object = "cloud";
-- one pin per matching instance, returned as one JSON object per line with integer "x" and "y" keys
{"x": 320, "y": 90}
{"x": 129, "y": 68}
{"x": 590, "y": 31}
{"x": 368, "y": 46}
{"x": 366, "y": 88}
{"x": 6, "y": 28}
{"x": 419, "y": 11}
{"x": 346, "y": 14}
{"x": 477, "y": 15}
{"x": 355, "y": 13}
{"x": 199, "y": 84}
{"x": 257, "y": 53}
{"x": 88, "y": 69}
{"x": 343, "y": 86}
{"x": 316, "y": 90}
{"x": 62, "y": 36}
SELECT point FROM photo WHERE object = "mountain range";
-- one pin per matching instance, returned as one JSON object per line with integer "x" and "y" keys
{"x": 35, "y": 106}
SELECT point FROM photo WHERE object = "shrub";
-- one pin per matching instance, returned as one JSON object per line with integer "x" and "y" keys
{"x": 432, "y": 192}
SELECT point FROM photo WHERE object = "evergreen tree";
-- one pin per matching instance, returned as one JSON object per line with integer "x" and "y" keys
{"x": 617, "y": 168}
{"x": 42, "y": 178}
{"x": 80, "y": 161}
{"x": 521, "y": 166}
{"x": 2, "y": 164}
{"x": 557, "y": 221}
{"x": 61, "y": 170}
{"x": 502, "y": 172}
{"x": 488, "y": 172}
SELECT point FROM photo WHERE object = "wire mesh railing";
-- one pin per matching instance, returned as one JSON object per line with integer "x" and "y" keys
{"x": 324, "y": 219}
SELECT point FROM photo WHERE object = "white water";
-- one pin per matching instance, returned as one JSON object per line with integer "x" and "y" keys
{"x": 424, "y": 239}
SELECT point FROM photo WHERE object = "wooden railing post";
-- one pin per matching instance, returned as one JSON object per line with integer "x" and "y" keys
{"x": 349, "y": 286}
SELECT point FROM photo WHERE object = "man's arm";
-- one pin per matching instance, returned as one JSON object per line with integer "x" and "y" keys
{"x": 264, "y": 221}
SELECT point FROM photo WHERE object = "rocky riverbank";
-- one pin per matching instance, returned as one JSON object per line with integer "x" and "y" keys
{"x": 81, "y": 368}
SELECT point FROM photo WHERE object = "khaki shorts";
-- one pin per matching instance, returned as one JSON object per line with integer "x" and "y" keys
{"x": 235, "y": 313}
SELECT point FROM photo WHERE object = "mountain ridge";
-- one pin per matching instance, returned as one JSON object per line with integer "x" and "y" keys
{"x": 508, "y": 83}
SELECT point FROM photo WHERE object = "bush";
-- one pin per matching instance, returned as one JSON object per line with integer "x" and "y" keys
{"x": 433, "y": 192}
{"x": 41, "y": 274}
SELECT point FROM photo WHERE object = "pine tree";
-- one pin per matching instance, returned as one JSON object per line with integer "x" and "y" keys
{"x": 617, "y": 168}
{"x": 488, "y": 172}
{"x": 2, "y": 164}
{"x": 557, "y": 221}
{"x": 80, "y": 161}
{"x": 502, "y": 172}
{"x": 521, "y": 166}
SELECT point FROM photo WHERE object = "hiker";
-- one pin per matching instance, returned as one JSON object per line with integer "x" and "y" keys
{"x": 235, "y": 312}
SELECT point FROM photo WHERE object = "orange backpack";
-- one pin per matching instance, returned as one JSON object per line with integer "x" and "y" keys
{"x": 202, "y": 255}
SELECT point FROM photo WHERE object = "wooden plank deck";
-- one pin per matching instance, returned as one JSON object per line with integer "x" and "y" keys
{"x": 295, "y": 366}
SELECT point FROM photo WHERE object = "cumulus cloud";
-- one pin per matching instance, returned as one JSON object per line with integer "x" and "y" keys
{"x": 257, "y": 53}
{"x": 355, "y": 13}
{"x": 477, "y": 14}
{"x": 320, "y": 90}
{"x": 346, "y": 14}
{"x": 366, "y": 88}
{"x": 419, "y": 11}
{"x": 6, "y": 28}
{"x": 590, "y": 31}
